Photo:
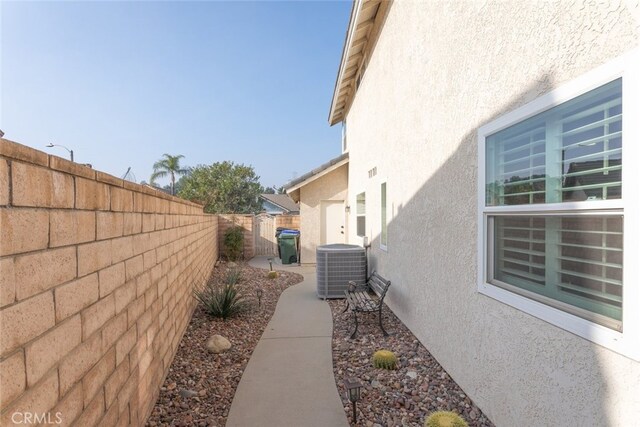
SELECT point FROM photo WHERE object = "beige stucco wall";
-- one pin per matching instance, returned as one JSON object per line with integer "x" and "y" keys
{"x": 331, "y": 186}
{"x": 439, "y": 71}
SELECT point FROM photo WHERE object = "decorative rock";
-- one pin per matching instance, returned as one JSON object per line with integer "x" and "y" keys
{"x": 188, "y": 394}
{"x": 194, "y": 368}
{"x": 218, "y": 344}
{"x": 402, "y": 397}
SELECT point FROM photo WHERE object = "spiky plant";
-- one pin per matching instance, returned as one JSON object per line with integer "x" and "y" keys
{"x": 233, "y": 276}
{"x": 272, "y": 275}
{"x": 384, "y": 359}
{"x": 445, "y": 419}
{"x": 221, "y": 300}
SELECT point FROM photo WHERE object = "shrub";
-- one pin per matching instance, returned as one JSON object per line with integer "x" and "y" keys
{"x": 221, "y": 300}
{"x": 272, "y": 275}
{"x": 445, "y": 419}
{"x": 233, "y": 276}
{"x": 384, "y": 359}
{"x": 233, "y": 242}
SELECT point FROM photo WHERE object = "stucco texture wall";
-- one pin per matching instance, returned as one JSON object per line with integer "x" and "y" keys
{"x": 331, "y": 186}
{"x": 439, "y": 71}
{"x": 96, "y": 279}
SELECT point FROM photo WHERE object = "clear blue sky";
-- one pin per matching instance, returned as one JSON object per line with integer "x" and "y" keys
{"x": 121, "y": 83}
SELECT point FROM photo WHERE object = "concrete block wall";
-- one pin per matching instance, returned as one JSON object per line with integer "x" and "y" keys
{"x": 288, "y": 221}
{"x": 246, "y": 221}
{"x": 96, "y": 276}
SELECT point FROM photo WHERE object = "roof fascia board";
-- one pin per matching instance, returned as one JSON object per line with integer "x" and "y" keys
{"x": 357, "y": 7}
{"x": 374, "y": 28}
{"x": 318, "y": 175}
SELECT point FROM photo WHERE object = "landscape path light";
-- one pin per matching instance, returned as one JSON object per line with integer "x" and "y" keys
{"x": 259, "y": 295}
{"x": 353, "y": 387}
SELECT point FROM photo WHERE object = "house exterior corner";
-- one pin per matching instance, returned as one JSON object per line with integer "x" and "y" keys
{"x": 330, "y": 187}
{"x": 437, "y": 73}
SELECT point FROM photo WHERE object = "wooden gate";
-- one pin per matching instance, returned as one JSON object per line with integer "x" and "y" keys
{"x": 265, "y": 235}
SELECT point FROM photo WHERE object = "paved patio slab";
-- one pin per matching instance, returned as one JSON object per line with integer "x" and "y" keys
{"x": 289, "y": 379}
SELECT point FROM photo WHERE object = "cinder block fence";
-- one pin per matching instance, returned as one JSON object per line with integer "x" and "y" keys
{"x": 96, "y": 276}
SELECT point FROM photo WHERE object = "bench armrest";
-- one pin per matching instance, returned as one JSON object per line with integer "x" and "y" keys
{"x": 354, "y": 287}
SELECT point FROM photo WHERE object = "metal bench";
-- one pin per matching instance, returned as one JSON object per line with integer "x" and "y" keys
{"x": 367, "y": 298}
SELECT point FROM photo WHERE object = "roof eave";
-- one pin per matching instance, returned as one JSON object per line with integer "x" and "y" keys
{"x": 315, "y": 176}
{"x": 365, "y": 24}
{"x": 355, "y": 10}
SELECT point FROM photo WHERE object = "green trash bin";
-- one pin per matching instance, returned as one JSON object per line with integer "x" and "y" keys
{"x": 288, "y": 245}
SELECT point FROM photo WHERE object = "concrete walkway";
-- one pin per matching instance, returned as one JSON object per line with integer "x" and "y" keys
{"x": 289, "y": 379}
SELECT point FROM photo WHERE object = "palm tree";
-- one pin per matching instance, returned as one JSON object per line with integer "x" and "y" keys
{"x": 168, "y": 165}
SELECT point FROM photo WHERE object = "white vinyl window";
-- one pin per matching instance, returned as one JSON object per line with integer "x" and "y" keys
{"x": 383, "y": 215}
{"x": 554, "y": 219}
{"x": 361, "y": 215}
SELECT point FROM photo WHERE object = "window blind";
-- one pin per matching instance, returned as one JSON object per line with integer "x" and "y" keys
{"x": 519, "y": 169}
{"x": 571, "y": 262}
{"x": 572, "y": 152}
{"x": 520, "y": 249}
{"x": 592, "y": 150}
{"x": 590, "y": 263}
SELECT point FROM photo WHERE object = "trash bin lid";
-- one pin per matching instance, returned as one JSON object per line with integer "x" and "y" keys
{"x": 288, "y": 236}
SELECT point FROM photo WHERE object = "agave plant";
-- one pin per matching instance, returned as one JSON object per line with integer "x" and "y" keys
{"x": 233, "y": 276}
{"x": 221, "y": 300}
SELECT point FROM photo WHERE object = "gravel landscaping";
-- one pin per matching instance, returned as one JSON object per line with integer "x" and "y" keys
{"x": 200, "y": 385}
{"x": 401, "y": 397}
